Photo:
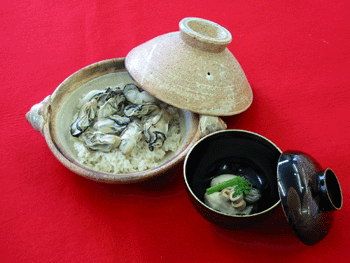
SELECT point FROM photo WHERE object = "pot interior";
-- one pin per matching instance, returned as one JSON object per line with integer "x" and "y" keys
{"x": 99, "y": 76}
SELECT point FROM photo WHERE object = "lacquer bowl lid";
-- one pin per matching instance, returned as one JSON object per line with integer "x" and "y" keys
{"x": 192, "y": 69}
{"x": 309, "y": 195}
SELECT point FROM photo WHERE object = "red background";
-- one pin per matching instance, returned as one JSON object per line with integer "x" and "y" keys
{"x": 296, "y": 57}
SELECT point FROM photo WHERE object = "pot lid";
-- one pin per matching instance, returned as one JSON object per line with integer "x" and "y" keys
{"x": 192, "y": 69}
{"x": 308, "y": 195}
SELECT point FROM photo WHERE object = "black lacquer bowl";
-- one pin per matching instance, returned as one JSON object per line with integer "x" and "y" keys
{"x": 308, "y": 194}
{"x": 233, "y": 152}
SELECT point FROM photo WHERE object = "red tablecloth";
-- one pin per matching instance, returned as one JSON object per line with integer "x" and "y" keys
{"x": 296, "y": 57}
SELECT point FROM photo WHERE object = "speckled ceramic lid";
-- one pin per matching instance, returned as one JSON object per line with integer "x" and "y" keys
{"x": 308, "y": 195}
{"x": 192, "y": 69}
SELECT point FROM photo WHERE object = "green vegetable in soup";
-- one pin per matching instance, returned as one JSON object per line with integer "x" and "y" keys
{"x": 240, "y": 185}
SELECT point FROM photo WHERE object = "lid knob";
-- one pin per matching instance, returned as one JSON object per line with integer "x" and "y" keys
{"x": 204, "y": 35}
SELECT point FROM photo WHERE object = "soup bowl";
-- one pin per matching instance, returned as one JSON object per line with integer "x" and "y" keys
{"x": 240, "y": 153}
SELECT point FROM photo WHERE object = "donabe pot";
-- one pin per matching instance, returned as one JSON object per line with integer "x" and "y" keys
{"x": 54, "y": 115}
{"x": 180, "y": 68}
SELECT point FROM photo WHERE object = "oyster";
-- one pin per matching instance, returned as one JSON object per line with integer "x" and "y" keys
{"x": 99, "y": 141}
{"x": 111, "y": 106}
{"x": 253, "y": 196}
{"x": 100, "y": 95}
{"x": 117, "y": 117}
{"x": 134, "y": 110}
{"x": 114, "y": 124}
{"x": 136, "y": 96}
{"x": 85, "y": 119}
{"x": 130, "y": 137}
{"x": 156, "y": 129}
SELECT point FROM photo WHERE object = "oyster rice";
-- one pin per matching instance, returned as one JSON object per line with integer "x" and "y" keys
{"x": 124, "y": 130}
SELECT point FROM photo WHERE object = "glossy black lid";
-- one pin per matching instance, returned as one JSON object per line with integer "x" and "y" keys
{"x": 308, "y": 195}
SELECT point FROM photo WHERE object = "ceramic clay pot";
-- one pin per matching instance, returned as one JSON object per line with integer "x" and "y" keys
{"x": 54, "y": 115}
{"x": 191, "y": 69}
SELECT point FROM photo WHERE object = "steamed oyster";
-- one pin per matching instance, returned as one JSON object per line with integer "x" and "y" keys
{"x": 137, "y": 96}
{"x": 156, "y": 129}
{"x": 112, "y": 106}
{"x": 85, "y": 118}
{"x": 134, "y": 110}
{"x": 99, "y": 141}
{"x": 114, "y": 124}
{"x": 105, "y": 95}
{"x": 119, "y": 118}
{"x": 130, "y": 137}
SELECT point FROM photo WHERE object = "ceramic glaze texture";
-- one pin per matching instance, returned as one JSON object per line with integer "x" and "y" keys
{"x": 192, "y": 69}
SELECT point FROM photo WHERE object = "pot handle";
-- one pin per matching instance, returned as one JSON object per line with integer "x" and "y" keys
{"x": 38, "y": 114}
{"x": 209, "y": 124}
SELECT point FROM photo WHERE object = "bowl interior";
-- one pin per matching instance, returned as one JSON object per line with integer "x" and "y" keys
{"x": 234, "y": 152}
